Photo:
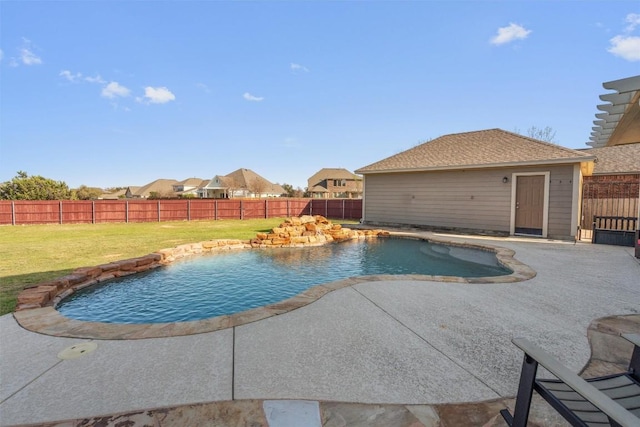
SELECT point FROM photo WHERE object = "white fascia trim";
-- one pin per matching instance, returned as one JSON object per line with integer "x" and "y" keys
{"x": 575, "y": 200}
{"x": 485, "y": 166}
{"x": 364, "y": 194}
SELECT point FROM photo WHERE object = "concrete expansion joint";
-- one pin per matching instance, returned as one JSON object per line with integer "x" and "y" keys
{"x": 233, "y": 363}
{"x": 421, "y": 338}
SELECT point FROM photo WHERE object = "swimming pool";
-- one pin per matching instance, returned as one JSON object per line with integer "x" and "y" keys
{"x": 202, "y": 287}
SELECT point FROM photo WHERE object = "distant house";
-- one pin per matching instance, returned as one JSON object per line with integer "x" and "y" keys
{"x": 156, "y": 189}
{"x": 115, "y": 195}
{"x": 216, "y": 188}
{"x": 334, "y": 183}
{"x": 490, "y": 181}
{"x": 189, "y": 187}
{"x": 130, "y": 192}
{"x": 240, "y": 183}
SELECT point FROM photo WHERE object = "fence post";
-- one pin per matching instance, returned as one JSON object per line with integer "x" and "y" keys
{"x": 93, "y": 212}
{"x": 188, "y": 209}
{"x": 126, "y": 211}
{"x": 60, "y": 203}
{"x": 158, "y": 210}
{"x": 13, "y": 213}
{"x": 215, "y": 210}
{"x": 288, "y": 210}
{"x": 326, "y": 208}
{"x": 266, "y": 208}
{"x": 343, "y": 208}
{"x": 241, "y": 209}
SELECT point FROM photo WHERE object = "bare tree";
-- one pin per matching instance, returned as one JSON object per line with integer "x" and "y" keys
{"x": 546, "y": 134}
{"x": 232, "y": 185}
{"x": 298, "y": 192}
{"x": 257, "y": 186}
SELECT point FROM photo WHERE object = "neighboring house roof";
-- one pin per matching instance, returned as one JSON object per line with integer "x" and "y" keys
{"x": 318, "y": 189}
{"x": 244, "y": 179}
{"x": 160, "y": 186}
{"x": 617, "y": 159}
{"x": 619, "y": 119}
{"x": 193, "y": 182}
{"x": 113, "y": 195}
{"x": 331, "y": 173}
{"x": 217, "y": 182}
{"x": 479, "y": 149}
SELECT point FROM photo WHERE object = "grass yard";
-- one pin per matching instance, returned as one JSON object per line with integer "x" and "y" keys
{"x": 36, "y": 253}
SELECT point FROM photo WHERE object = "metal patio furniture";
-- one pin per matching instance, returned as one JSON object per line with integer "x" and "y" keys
{"x": 612, "y": 400}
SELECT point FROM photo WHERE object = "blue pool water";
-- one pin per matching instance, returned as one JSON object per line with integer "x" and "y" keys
{"x": 211, "y": 285}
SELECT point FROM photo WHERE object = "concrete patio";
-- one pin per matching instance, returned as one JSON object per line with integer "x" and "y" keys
{"x": 375, "y": 353}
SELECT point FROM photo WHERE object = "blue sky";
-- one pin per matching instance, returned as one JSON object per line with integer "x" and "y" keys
{"x": 118, "y": 93}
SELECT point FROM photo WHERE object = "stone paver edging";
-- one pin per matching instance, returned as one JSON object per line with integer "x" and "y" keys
{"x": 38, "y": 314}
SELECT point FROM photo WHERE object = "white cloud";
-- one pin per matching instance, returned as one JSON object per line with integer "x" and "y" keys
{"x": 70, "y": 76}
{"x": 625, "y": 47}
{"x": 26, "y": 54}
{"x": 298, "y": 67}
{"x": 29, "y": 58}
{"x": 633, "y": 19}
{"x": 204, "y": 87}
{"x": 79, "y": 77}
{"x": 158, "y": 95}
{"x": 250, "y": 97}
{"x": 115, "y": 89}
{"x": 96, "y": 79}
{"x": 510, "y": 33}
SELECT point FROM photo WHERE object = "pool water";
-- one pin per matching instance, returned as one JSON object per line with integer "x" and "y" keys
{"x": 202, "y": 287}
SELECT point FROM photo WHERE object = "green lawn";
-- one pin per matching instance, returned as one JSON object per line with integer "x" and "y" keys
{"x": 36, "y": 253}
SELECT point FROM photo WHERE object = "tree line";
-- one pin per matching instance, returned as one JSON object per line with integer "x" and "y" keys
{"x": 36, "y": 187}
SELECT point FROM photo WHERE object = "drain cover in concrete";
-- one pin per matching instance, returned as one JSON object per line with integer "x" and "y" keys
{"x": 292, "y": 413}
{"x": 77, "y": 350}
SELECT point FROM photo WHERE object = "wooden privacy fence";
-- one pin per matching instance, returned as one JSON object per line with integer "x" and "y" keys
{"x": 24, "y": 212}
{"x": 608, "y": 196}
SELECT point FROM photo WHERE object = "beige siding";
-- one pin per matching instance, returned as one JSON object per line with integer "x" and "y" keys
{"x": 560, "y": 199}
{"x": 470, "y": 199}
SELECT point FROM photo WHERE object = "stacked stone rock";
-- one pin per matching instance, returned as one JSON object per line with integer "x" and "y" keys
{"x": 308, "y": 230}
{"x": 294, "y": 232}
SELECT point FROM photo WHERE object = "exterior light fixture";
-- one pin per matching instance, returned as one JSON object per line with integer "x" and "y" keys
{"x": 505, "y": 179}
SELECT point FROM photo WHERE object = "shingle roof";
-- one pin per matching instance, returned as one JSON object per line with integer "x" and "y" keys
{"x": 479, "y": 149}
{"x": 114, "y": 195}
{"x": 193, "y": 182}
{"x": 331, "y": 173}
{"x": 318, "y": 189}
{"x": 616, "y": 159}
{"x": 245, "y": 177}
{"x": 162, "y": 186}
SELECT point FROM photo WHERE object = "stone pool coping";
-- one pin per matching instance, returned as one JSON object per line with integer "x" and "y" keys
{"x": 47, "y": 320}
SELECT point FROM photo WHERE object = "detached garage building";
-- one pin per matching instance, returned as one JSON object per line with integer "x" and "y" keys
{"x": 489, "y": 181}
